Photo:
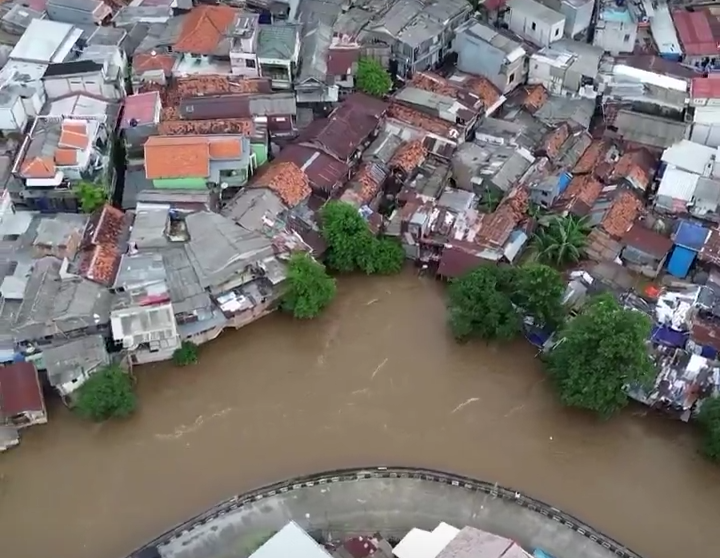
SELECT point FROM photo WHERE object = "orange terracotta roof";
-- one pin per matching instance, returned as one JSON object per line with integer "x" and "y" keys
{"x": 240, "y": 126}
{"x": 286, "y": 179}
{"x": 225, "y": 149}
{"x": 146, "y": 62}
{"x": 581, "y": 194}
{"x": 176, "y": 157}
{"x": 74, "y": 126}
{"x": 535, "y": 97}
{"x": 555, "y": 140}
{"x": 74, "y": 135}
{"x": 103, "y": 264}
{"x": 470, "y": 86}
{"x": 203, "y": 29}
{"x": 591, "y": 157}
{"x": 409, "y": 156}
{"x": 622, "y": 214}
{"x": 419, "y": 120}
{"x": 637, "y": 167}
{"x": 483, "y": 88}
{"x": 64, "y": 156}
{"x": 39, "y": 167}
{"x": 365, "y": 185}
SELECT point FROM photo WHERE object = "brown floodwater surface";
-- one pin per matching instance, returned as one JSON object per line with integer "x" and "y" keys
{"x": 376, "y": 380}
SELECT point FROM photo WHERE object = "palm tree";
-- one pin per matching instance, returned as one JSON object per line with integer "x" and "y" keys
{"x": 562, "y": 240}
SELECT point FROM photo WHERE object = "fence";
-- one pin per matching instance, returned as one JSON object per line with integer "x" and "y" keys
{"x": 429, "y": 475}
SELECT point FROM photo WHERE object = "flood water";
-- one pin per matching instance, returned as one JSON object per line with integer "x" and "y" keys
{"x": 377, "y": 380}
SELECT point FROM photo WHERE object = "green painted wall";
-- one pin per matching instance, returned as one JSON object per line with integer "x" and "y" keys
{"x": 261, "y": 153}
{"x": 181, "y": 183}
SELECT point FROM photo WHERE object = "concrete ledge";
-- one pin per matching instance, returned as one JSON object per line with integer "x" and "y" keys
{"x": 390, "y": 500}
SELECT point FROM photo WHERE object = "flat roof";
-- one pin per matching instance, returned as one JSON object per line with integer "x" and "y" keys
{"x": 45, "y": 41}
{"x": 537, "y": 11}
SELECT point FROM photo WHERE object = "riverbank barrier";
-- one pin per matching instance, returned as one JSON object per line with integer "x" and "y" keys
{"x": 333, "y": 519}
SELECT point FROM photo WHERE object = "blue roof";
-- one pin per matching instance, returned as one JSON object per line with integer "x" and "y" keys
{"x": 691, "y": 235}
{"x": 681, "y": 261}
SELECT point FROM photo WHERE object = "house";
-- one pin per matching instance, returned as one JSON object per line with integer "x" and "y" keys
{"x": 420, "y": 32}
{"x": 21, "y": 399}
{"x": 613, "y": 214}
{"x": 285, "y": 179}
{"x": 70, "y": 365}
{"x": 78, "y": 12}
{"x": 688, "y": 240}
{"x": 291, "y": 539}
{"x": 313, "y": 85}
{"x": 489, "y": 52}
{"x": 278, "y": 52}
{"x": 616, "y": 27}
{"x": 349, "y": 128}
{"x": 45, "y": 42}
{"x": 664, "y": 34}
{"x": 482, "y": 166}
{"x": 199, "y": 162}
{"x": 71, "y": 142}
{"x": 217, "y": 40}
{"x": 663, "y": 93}
{"x": 19, "y": 102}
{"x": 642, "y": 129}
{"x": 644, "y": 250}
{"x": 534, "y": 22}
{"x": 342, "y": 61}
{"x": 140, "y": 119}
{"x": 148, "y": 333}
{"x": 325, "y": 174}
{"x": 277, "y": 110}
{"x": 636, "y": 167}
{"x": 453, "y": 542}
{"x": 705, "y": 100}
{"x": 152, "y": 67}
{"x": 99, "y": 71}
{"x": 18, "y": 19}
{"x": 578, "y": 15}
{"x": 566, "y": 67}
{"x": 697, "y": 35}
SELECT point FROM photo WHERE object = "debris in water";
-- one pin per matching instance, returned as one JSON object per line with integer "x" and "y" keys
{"x": 373, "y": 301}
{"x": 383, "y": 363}
{"x": 471, "y": 400}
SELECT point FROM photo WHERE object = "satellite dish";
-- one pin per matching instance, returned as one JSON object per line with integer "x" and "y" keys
{"x": 223, "y": 185}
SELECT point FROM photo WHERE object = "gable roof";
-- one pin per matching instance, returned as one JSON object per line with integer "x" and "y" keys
{"x": 286, "y": 179}
{"x": 176, "y": 157}
{"x": 203, "y": 29}
{"x": 102, "y": 245}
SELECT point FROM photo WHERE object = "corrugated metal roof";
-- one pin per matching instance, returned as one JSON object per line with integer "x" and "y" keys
{"x": 695, "y": 33}
{"x": 678, "y": 184}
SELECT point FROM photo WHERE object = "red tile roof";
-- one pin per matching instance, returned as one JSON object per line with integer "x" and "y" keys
{"x": 582, "y": 192}
{"x": 221, "y": 148}
{"x": 705, "y": 87}
{"x": 65, "y": 156}
{"x": 102, "y": 250}
{"x": 286, "y": 179}
{"x": 146, "y": 62}
{"x": 409, "y": 156}
{"x": 695, "y": 32}
{"x": 535, "y": 98}
{"x": 177, "y": 157}
{"x": 554, "y": 140}
{"x": 422, "y": 121}
{"x": 591, "y": 157}
{"x": 340, "y": 60}
{"x": 637, "y": 167}
{"x": 466, "y": 88}
{"x": 140, "y": 109}
{"x": 323, "y": 172}
{"x": 39, "y": 167}
{"x": 203, "y": 29}
{"x": 20, "y": 390}
{"x": 622, "y": 214}
{"x": 648, "y": 241}
{"x": 365, "y": 185}
{"x": 74, "y": 135}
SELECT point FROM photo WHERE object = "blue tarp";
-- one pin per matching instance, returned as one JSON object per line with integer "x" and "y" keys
{"x": 681, "y": 261}
{"x": 671, "y": 56}
{"x": 667, "y": 336}
{"x": 709, "y": 352}
{"x": 564, "y": 181}
{"x": 691, "y": 235}
{"x": 537, "y": 553}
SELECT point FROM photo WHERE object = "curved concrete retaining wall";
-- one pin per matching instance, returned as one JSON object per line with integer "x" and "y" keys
{"x": 324, "y": 481}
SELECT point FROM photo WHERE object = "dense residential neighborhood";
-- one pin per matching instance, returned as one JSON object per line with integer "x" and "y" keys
{"x": 172, "y": 170}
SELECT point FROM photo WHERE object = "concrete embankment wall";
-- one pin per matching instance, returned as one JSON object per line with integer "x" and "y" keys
{"x": 387, "y": 500}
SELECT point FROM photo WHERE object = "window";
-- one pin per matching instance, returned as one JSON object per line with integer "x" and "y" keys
{"x": 533, "y": 26}
{"x": 511, "y": 77}
{"x": 626, "y": 38}
{"x": 557, "y": 32}
{"x": 249, "y": 63}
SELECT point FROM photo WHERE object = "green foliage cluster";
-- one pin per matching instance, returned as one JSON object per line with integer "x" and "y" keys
{"x": 600, "y": 352}
{"x": 186, "y": 354}
{"x": 90, "y": 196}
{"x": 351, "y": 245}
{"x": 562, "y": 240}
{"x": 106, "y": 394}
{"x": 709, "y": 419}
{"x": 372, "y": 78}
{"x": 488, "y": 302}
{"x": 309, "y": 288}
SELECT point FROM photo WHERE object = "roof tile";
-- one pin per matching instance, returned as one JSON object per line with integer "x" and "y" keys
{"x": 591, "y": 157}
{"x": 554, "y": 140}
{"x": 148, "y": 62}
{"x": 240, "y": 126}
{"x": 622, "y": 214}
{"x": 64, "y": 156}
{"x": 286, "y": 179}
{"x": 39, "y": 167}
{"x": 225, "y": 149}
{"x": 422, "y": 121}
{"x": 177, "y": 157}
{"x": 203, "y": 29}
{"x": 637, "y": 167}
{"x": 409, "y": 156}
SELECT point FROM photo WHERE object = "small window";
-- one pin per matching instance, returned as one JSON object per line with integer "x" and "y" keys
{"x": 557, "y": 32}
{"x": 511, "y": 77}
{"x": 249, "y": 63}
{"x": 626, "y": 38}
{"x": 533, "y": 26}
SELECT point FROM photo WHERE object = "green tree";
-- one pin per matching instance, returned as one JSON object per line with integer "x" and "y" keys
{"x": 106, "y": 394}
{"x": 351, "y": 245}
{"x": 91, "y": 196}
{"x": 478, "y": 305}
{"x": 371, "y": 78}
{"x": 600, "y": 352}
{"x": 186, "y": 354}
{"x": 309, "y": 288}
{"x": 538, "y": 290}
{"x": 709, "y": 419}
{"x": 490, "y": 200}
{"x": 562, "y": 240}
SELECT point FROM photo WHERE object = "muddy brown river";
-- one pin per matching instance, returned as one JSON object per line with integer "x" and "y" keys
{"x": 377, "y": 380}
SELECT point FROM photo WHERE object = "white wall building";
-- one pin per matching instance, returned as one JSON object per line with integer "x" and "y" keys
{"x": 705, "y": 100}
{"x": 148, "y": 332}
{"x": 535, "y": 22}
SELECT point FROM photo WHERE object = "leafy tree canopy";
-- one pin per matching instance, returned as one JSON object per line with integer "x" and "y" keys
{"x": 186, "y": 354}
{"x": 562, "y": 240}
{"x": 106, "y": 394}
{"x": 309, "y": 288}
{"x": 371, "y": 78}
{"x": 90, "y": 196}
{"x": 709, "y": 420}
{"x": 538, "y": 290}
{"x": 601, "y": 351}
{"x": 351, "y": 245}
{"x": 478, "y": 305}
